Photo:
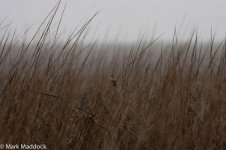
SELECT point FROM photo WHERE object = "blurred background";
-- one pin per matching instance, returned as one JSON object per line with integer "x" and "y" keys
{"x": 123, "y": 20}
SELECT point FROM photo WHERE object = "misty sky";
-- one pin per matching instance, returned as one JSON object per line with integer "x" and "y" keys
{"x": 125, "y": 18}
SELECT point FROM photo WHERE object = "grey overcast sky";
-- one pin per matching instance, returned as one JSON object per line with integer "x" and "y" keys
{"x": 125, "y": 18}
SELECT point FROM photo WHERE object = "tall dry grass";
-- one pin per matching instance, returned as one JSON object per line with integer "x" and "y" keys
{"x": 142, "y": 96}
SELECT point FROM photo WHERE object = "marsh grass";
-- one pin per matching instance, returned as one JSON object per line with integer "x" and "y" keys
{"x": 168, "y": 96}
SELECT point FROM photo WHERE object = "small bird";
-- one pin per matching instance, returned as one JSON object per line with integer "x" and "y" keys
{"x": 113, "y": 80}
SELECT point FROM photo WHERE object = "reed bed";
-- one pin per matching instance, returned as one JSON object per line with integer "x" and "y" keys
{"x": 146, "y": 95}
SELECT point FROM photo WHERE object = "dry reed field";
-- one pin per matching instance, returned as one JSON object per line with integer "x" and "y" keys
{"x": 148, "y": 95}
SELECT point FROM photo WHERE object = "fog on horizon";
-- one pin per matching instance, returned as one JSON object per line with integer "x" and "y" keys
{"x": 125, "y": 20}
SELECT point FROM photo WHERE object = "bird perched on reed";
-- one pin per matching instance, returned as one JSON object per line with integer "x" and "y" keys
{"x": 113, "y": 80}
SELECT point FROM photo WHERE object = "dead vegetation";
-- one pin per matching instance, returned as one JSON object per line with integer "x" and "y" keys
{"x": 79, "y": 96}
